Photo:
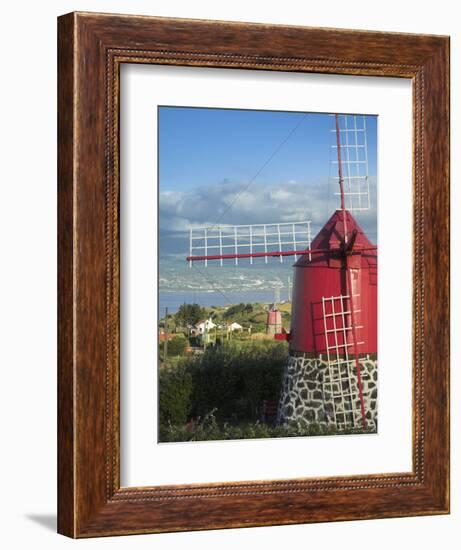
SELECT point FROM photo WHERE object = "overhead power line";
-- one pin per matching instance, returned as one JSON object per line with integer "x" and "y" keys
{"x": 266, "y": 162}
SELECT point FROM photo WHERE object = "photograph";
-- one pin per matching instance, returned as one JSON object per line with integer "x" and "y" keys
{"x": 267, "y": 274}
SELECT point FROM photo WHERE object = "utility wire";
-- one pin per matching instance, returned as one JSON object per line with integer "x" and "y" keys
{"x": 213, "y": 285}
{"x": 266, "y": 162}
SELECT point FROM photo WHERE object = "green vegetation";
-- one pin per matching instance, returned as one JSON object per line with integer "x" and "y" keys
{"x": 248, "y": 315}
{"x": 210, "y": 429}
{"x": 231, "y": 381}
{"x": 240, "y": 310}
{"x": 214, "y": 386}
{"x": 254, "y": 315}
{"x": 177, "y": 345}
{"x": 174, "y": 395}
{"x": 189, "y": 314}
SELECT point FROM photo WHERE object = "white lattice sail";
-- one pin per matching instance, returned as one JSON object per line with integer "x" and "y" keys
{"x": 354, "y": 161}
{"x": 247, "y": 242}
{"x": 340, "y": 380}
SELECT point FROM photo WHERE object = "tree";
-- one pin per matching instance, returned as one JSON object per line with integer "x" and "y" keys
{"x": 189, "y": 314}
{"x": 177, "y": 345}
{"x": 175, "y": 387}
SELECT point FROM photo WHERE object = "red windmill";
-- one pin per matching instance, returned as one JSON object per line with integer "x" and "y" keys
{"x": 334, "y": 307}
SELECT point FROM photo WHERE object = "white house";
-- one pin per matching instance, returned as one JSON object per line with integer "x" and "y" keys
{"x": 204, "y": 326}
{"x": 234, "y": 326}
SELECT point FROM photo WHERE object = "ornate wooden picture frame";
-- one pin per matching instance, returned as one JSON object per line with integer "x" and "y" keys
{"x": 92, "y": 48}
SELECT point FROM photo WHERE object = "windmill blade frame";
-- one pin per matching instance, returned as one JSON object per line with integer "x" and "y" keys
{"x": 249, "y": 241}
{"x": 350, "y": 135}
{"x": 346, "y": 391}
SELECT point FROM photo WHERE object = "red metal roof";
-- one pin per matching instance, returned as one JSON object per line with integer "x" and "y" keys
{"x": 330, "y": 237}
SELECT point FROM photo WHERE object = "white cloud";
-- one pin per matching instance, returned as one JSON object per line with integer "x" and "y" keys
{"x": 238, "y": 203}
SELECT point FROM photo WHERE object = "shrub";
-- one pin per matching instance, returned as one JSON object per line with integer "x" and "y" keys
{"x": 236, "y": 378}
{"x": 177, "y": 345}
{"x": 175, "y": 388}
{"x": 209, "y": 429}
{"x": 231, "y": 380}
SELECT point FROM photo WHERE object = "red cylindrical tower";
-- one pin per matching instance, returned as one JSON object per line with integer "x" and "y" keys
{"x": 323, "y": 275}
{"x": 274, "y": 320}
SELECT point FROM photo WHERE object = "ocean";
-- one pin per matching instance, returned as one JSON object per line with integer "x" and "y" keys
{"x": 220, "y": 286}
{"x": 173, "y": 300}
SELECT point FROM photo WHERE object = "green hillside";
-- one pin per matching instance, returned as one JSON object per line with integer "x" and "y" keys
{"x": 252, "y": 315}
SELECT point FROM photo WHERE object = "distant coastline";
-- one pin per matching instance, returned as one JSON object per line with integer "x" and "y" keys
{"x": 174, "y": 299}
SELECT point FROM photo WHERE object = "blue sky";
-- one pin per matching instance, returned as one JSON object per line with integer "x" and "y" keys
{"x": 234, "y": 166}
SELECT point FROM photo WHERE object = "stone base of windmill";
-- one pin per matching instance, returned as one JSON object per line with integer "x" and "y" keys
{"x": 306, "y": 393}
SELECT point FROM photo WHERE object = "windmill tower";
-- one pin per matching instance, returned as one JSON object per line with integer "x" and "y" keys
{"x": 274, "y": 315}
{"x": 329, "y": 377}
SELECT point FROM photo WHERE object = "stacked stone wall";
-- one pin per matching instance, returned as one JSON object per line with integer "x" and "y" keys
{"x": 307, "y": 396}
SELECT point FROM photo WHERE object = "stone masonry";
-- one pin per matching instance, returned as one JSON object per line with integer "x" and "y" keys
{"x": 307, "y": 394}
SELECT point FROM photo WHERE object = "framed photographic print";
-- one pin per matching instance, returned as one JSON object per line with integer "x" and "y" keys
{"x": 253, "y": 275}
{"x": 222, "y": 333}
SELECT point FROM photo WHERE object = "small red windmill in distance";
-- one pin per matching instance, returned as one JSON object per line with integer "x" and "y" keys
{"x": 334, "y": 307}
